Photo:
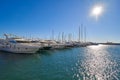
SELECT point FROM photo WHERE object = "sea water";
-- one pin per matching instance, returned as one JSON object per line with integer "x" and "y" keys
{"x": 99, "y": 62}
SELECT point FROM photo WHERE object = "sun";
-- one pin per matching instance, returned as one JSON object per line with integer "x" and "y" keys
{"x": 97, "y": 11}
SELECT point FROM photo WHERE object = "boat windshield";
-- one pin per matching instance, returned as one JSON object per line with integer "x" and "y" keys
{"x": 23, "y": 41}
{"x": 12, "y": 41}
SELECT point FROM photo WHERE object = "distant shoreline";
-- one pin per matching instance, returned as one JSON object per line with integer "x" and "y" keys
{"x": 110, "y": 43}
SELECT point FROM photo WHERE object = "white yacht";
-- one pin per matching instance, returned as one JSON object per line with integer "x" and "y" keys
{"x": 57, "y": 45}
{"x": 17, "y": 45}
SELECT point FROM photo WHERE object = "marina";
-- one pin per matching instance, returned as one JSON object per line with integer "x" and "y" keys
{"x": 59, "y": 40}
{"x": 15, "y": 44}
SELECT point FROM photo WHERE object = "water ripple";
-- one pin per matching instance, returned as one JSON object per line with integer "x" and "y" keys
{"x": 96, "y": 64}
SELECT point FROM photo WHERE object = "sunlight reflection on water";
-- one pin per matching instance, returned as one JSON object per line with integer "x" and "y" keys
{"x": 99, "y": 62}
{"x": 96, "y": 65}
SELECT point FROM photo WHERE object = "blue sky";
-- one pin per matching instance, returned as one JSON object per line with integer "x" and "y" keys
{"x": 37, "y": 18}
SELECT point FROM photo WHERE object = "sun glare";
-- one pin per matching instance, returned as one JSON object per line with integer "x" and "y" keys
{"x": 97, "y": 11}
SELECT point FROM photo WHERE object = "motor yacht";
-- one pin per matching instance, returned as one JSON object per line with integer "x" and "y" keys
{"x": 17, "y": 45}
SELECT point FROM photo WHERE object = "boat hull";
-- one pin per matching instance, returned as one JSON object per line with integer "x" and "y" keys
{"x": 31, "y": 50}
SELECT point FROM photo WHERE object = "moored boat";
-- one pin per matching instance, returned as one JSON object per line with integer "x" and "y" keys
{"x": 18, "y": 45}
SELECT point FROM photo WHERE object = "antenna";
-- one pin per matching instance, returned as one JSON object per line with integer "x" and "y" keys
{"x": 6, "y": 36}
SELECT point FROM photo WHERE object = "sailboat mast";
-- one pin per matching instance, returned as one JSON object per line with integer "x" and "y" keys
{"x": 52, "y": 34}
{"x": 62, "y": 37}
{"x": 85, "y": 33}
{"x": 79, "y": 35}
{"x": 81, "y": 32}
{"x": 59, "y": 37}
